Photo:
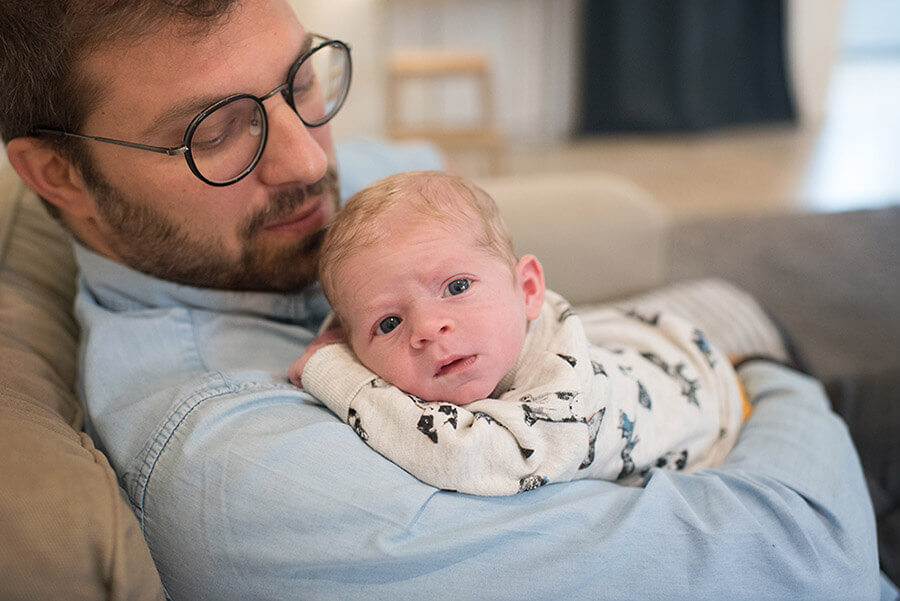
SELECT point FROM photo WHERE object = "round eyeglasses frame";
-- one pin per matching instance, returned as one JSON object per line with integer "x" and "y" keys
{"x": 285, "y": 89}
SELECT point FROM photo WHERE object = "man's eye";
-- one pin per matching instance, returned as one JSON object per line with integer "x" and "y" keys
{"x": 210, "y": 139}
{"x": 226, "y": 126}
{"x": 304, "y": 81}
{"x": 458, "y": 286}
{"x": 387, "y": 325}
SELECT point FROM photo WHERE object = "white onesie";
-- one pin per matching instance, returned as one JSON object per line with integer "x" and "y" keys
{"x": 650, "y": 392}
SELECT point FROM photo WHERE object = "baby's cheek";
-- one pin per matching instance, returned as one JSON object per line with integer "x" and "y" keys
{"x": 513, "y": 341}
{"x": 369, "y": 359}
{"x": 413, "y": 382}
{"x": 395, "y": 370}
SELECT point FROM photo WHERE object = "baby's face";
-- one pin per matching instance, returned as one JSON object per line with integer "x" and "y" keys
{"x": 433, "y": 313}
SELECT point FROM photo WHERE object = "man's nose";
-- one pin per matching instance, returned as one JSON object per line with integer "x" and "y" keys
{"x": 428, "y": 325}
{"x": 292, "y": 153}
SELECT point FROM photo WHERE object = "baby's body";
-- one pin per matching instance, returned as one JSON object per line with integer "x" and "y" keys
{"x": 459, "y": 370}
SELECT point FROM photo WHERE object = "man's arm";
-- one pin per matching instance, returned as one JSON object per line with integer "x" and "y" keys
{"x": 260, "y": 495}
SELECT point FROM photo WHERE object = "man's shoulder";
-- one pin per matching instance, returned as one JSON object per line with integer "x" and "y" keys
{"x": 152, "y": 377}
{"x": 177, "y": 342}
{"x": 203, "y": 427}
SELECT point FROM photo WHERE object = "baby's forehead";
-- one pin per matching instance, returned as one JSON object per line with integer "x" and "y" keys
{"x": 438, "y": 198}
{"x": 402, "y": 216}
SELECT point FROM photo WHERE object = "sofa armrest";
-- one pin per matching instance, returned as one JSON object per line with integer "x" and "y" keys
{"x": 66, "y": 531}
{"x": 598, "y": 235}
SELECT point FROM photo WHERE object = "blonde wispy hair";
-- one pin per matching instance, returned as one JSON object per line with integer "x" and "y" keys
{"x": 447, "y": 198}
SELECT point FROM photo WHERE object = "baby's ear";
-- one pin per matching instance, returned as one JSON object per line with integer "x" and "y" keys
{"x": 530, "y": 280}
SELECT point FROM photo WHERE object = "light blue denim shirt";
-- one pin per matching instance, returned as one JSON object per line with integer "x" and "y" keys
{"x": 247, "y": 488}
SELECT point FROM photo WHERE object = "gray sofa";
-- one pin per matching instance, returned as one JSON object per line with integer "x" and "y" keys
{"x": 833, "y": 283}
{"x": 67, "y": 533}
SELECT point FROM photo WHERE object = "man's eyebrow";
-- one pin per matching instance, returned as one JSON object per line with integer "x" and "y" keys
{"x": 186, "y": 110}
{"x": 179, "y": 114}
{"x": 306, "y": 46}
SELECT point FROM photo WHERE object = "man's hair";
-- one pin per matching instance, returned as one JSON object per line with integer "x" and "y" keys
{"x": 446, "y": 198}
{"x": 43, "y": 42}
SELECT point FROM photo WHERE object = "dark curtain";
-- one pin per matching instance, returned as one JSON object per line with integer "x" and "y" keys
{"x": 681, "y": 65}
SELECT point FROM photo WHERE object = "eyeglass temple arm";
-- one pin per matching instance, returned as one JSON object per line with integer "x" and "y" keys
{"x": 169, "y": 150}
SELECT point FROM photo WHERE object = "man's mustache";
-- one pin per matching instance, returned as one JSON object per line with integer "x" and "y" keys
{"x": 285, "y": 202}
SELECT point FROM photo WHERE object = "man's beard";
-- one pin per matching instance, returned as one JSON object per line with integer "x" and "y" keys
{"x": 146, "y": 240}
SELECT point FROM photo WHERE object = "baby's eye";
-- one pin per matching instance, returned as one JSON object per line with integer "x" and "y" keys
{"x": 386, "y": 325}
{"x": 458, "y": 286}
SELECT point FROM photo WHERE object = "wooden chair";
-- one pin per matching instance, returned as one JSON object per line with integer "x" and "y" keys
{"x": 482, "y": 135}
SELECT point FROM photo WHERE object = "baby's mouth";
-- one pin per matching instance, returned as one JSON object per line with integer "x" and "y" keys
{"x": 454, "y": 364}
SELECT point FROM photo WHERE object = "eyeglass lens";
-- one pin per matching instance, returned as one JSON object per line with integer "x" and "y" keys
{"x": 227, "y": 142}
{"x": 321, "y": 83}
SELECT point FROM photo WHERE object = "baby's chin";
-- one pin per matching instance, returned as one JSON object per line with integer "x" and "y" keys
{"x": 461, "y": 396}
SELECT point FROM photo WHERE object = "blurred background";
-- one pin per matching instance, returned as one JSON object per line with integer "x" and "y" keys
{"x": 728, "y": 107}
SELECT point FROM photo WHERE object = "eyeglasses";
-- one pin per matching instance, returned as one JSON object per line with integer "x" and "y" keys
{"x": 225, "y": 141}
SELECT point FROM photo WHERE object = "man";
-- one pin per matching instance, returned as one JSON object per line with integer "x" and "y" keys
{"x": 197, "y": 241}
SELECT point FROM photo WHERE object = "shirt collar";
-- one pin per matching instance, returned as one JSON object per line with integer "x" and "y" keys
{"x": 120, "y": 288}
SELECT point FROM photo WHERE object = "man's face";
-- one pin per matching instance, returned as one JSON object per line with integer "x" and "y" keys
{"x": 152, "y": 213}
{"x": 430, "y": 310}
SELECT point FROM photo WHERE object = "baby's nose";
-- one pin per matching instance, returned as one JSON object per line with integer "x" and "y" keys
{"x": 428, "y": 325}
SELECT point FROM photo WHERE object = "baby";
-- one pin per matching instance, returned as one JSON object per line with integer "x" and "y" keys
{"x": 454, "y": 362}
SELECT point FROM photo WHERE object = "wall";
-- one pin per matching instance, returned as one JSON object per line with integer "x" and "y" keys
{"x": 813, "y": 47}
{"x": 534, "y": 48}
{"x": 358, "y": 23}
{"x": 531, "y": 43}
{"x": 872, "y": 26}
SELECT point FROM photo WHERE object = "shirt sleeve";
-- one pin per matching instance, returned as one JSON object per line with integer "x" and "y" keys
{"x": 487, "y": 450}
{"x": 263, "y": 494}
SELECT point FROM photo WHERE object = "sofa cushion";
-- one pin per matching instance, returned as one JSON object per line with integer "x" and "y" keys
{"x": 38, "y": 339}
{"x": 66, "y": 532}
{"x": 577, "y": 224}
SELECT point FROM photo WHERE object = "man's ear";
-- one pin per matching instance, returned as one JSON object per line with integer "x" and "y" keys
{"x": 50, "y": 175}
{"x": 530, "y": 280}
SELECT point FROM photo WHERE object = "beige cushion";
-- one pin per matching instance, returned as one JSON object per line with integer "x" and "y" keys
{"x": 66, "y": 532}
{"x": 598, "y": 236}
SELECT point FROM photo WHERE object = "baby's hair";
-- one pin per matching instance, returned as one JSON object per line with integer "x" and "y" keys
{"x": 446, "y": 198}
